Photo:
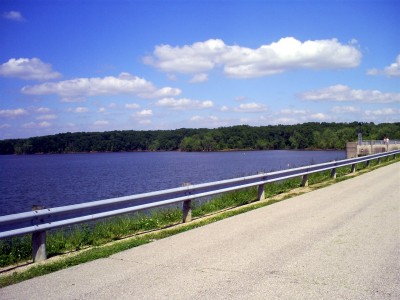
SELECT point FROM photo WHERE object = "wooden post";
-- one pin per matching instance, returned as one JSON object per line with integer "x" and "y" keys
{"x": 186, "y": 208}
{"x": 304, "y": 181}
{"x": 39, "y": 252}
{"x": 333, "y": 173}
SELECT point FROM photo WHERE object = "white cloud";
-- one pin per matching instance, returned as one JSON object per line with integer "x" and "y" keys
{"x": 3, "y": 126}
{"x": 288, "y": 111}
{"x": 13, "y": 113}
{"x": 132, "y": 106}
{"x": 46, "y": 117}
{"x": 250, "y": 107}
{"x": 319, "y": 116}
{"x": 383, "y": 112}
{"x": 200, "y": 118}
{"x": 343, "y": 93}
{"x": 242, "y": 62}
{"x": 391, "y": 71}
{"x": 297, "y": 116}
{"x": 345, "y": 109}
{"x": 208, "y": 121}
{"x": 196, "y": 58}
{"x": 42, "y": 110}
{"x": 28, "y": 69}
{"x": 123, "y": 84}
{"x": 102, "y": 110}
{"x": 101, "y": 123}
{"x": 14, "y": 16}
{"x": 78, "y": 110}
{"x": 32, "y": 125}
{"x": 198, "y": 78}
{"x": 144, "y": 113}
{"x": 73, "y": 99}
{"x": 184, "y": 103}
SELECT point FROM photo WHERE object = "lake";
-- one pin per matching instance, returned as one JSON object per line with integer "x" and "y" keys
{"x": 63, "y": 179}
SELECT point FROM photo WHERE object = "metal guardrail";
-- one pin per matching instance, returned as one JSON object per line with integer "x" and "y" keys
{"x": 378, "y": 142}
{"x": 38, "y": 222}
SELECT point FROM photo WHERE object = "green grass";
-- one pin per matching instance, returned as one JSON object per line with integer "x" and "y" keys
{"x": 96, "y": 238}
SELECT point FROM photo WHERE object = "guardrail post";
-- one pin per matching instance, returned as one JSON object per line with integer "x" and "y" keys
{"x": 333, "y": 173}
{"x": 353, "y": 168}
{"x": 367, "y": 163}
{"x": 379, "y": 161}
{"x": 186, "y": 208}
{"x": 39, "y": 252}
{"x": 261, "y": 191}
{"x": 304, "y": 181}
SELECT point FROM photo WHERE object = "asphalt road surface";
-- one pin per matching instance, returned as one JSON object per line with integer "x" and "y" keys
{"x": 339, "y": 242}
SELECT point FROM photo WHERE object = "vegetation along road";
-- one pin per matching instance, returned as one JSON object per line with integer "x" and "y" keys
{"x": 338, "y": 242}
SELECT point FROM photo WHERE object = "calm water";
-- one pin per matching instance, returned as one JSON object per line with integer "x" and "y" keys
{"x": 57, "y": 180}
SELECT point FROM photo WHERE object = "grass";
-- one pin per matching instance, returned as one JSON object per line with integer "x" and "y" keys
{"x": 98, "y": 240}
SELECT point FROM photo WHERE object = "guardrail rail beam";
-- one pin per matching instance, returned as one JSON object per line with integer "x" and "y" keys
{"x": 40, "y": 220}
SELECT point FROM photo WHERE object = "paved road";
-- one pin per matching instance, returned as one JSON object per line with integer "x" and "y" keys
{"x": 340, "y": 242}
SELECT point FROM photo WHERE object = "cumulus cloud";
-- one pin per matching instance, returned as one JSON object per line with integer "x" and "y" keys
{"x": 13, "y": 113}
{"x": 319, "y": 116}
{"x": 383, "y": 112}
{"x": 391, "y": 71}
{"x": 32, "y": 125}
{"x": 73, "y": 99}
{"x": 14, "y": 16}
{"x": 250, "y": 107}
{"x": 288, "y": 111}
{"x": 343, "y": 93}
{"x": 242, "y": 62}
{"x": 4, "y": 126}
{"x": 78, "y": 110}
{"x": 132, "y": 106}
{"x": 28, "y": 69}
{"x": 345, "y": 109}
{"x": 47, "y": 117}
{"x": 296, "y": 116}
{"x": 209, "y": 121}
{"x": 101, "y": 123}
{"x": 42, "y": 110}
{"x": 144, "y": 113}
{"x": 125, "y": 83}
{"x": 202, "y": 77}
{"x": 184, "y": 104}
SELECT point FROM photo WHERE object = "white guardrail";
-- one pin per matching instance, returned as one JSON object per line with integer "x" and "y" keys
{"x": 39, "y": 221}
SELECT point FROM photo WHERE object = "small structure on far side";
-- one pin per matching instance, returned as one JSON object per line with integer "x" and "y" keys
{"x": 361, "y": 148}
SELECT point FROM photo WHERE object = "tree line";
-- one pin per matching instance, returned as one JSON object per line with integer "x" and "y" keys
{"x": 301, "y": 136}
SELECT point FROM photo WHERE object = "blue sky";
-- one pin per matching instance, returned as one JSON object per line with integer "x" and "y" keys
{"x": 68, "y": 66}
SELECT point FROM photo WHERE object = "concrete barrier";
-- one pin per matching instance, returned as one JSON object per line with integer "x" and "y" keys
{"x": 356, "y": 149}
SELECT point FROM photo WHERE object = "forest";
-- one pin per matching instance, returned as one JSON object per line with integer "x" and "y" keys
{"x": 301, "y": 136}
